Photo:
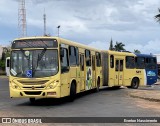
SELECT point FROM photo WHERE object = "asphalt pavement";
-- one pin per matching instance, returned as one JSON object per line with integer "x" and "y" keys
{"x": 151, "y": 93}
{"x": 106, "y": 103}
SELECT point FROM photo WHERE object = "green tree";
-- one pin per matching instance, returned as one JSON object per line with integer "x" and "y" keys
{"x": 5, "y": 54}
{"x": 157, "y": 17}
{"x": 2, "y": 64}
{"x": 137, "y": 51}
{"x": 111, "y": 45}
{"x": 119, "y": 46}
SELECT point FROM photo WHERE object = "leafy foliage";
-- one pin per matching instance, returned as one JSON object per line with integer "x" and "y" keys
{"x": 5, "y": 54}
{"x": 137, "y": 51}
{"x": 111, "y": 45}
{"x": 2, "y": 64}
{"x": 119, "y": 46}
{"x": 157, "y": 17}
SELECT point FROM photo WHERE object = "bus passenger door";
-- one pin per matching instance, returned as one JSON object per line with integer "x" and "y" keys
{"x": 82, "y": 78}
{"x": 93, "y": 72}
{"x": 119, "y": 73}
{"x": 64, "y": 79}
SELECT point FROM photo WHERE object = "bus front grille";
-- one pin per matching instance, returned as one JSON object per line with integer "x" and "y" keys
{"x": 31, "y": 82}
{"x": 32, "y": 93}
{"x": 31, "y": 87}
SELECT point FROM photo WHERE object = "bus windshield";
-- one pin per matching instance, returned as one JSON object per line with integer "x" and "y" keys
{"x": 34, "y": 63}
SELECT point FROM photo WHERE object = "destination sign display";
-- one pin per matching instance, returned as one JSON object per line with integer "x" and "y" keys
{"x": 35, "y": 43}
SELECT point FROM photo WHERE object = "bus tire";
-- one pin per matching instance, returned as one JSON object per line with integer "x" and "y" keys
{"x": 32, "y": 100}
{"x": 72, "y": 92}
{"x": 98, "y": 84}
{"x": 128, "y": 86}
{"x": 135, "y": 83}
{"x": 116, "y": 87}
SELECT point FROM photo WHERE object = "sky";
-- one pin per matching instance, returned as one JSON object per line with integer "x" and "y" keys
{"x": 90, "y": 22}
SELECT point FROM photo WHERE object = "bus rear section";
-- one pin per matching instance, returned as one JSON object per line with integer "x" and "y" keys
{"x": 149, "y": 64}
{"x": 119, "y": 69}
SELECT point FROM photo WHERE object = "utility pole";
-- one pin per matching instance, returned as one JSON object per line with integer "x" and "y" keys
{"x": 58, "y": 29}
{"x": 22, "y": 19}
{"x": 44, "y": 18}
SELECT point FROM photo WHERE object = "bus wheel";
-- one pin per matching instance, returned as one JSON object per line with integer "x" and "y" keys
{"x": 32, "y": 100}
{"x": 98, "y": 85}
{"x": 72, "y": 92}
{"x": 116, "y": 87}
{"x": 128, "y": 86}
{"x": 135, "y": 83}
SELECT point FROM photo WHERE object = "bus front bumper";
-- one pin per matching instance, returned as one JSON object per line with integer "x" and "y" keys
{"x": 45, "y": 93}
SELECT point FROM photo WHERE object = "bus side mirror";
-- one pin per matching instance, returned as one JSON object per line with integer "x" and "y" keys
{"x": 62, "y": 52}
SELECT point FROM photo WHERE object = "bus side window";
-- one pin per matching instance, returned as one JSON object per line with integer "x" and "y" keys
{"x": 140, "y": 62}
{"x": 82, "y": 62}
{"x": 130, "y": 62}
{"x": 93, "y": 63}
{"x": 112, "y": 61}
{"x": 77, "y": 57}
{"x": 117, "y": 65}
{"x": 98, "y": 59}
{"x": 88, "y": 57}
{"x": 64, "y": 60}
{"x": 151, "y": 63}
{"x": 72, "y": 56}
{"x": 121, "y": 65}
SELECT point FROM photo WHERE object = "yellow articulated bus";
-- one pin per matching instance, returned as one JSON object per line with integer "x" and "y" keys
{"x": 52, "y": 67}
{"x": 119, "y": 69}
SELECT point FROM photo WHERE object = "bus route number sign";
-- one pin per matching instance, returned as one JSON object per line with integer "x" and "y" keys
{"x": 51, "y": 43}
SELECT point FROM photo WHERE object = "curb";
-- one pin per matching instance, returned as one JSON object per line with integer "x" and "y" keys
{"x": 145, "y": 98}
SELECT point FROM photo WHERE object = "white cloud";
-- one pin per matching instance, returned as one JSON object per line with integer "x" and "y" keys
{"x": 35, "y": 22}
{"x": 73, "y": 25}
{"x": 99, "y": 45}
{"x": 148, "y": 47}
{"x": 88, "y": 21}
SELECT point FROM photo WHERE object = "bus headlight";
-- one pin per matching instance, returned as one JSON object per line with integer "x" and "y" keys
{"x": 15, "y": 86}
{"x": 53, "y": 84}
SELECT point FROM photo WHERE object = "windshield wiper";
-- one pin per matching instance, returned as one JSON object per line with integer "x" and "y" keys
{"x": 44, "y": 43}
{"x": 41, "y": 54}
{"x": 39, "y": 59}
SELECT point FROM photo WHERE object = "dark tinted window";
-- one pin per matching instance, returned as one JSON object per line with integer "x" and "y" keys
{"x": 121, "y": 65}
{"x": 140, "y": 62}
{"x": 64, "y": 59}
{"x": 117, "y": 65}
{"x": 130, "y": 62}
{"x": 88, "y": 57}
{"x": 112, "y": 61}
{"x": 151, "y": 63}
{"x": 93, "y": 62}
{"x": 77, "y": 56}
{"x": 98, "y": 59}
{"x": 72, "y": 55}
{"x": 82, "y": 62}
